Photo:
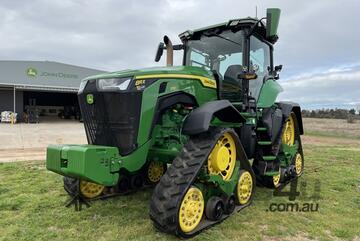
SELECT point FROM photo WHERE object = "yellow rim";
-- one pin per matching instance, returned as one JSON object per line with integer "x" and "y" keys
{"x": 244, "y": 187}
{"x": 191, "y": 210}
{"x": 276, "y": 180}
{"x": 155, "y": 171}
{"x": 288, "y": 136}
{"x": 222, "y": 158}
{"x": 90, "y": 189}
{"x": 298, "y": 164}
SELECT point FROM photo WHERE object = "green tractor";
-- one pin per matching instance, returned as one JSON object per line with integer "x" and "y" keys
{"x": 202, "y": 133}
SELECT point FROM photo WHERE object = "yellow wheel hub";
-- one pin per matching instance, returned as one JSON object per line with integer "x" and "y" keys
{"x": 244, "y": 187}
{"x": 298, "y": 164}
{"x": 222, "y": 158}
{"x": 155, "y": 171}
{"x": 90, "y": 189}
{"x": 288, "y": 136}
{"x": 191, "y": 210}
{"x": 276, "y": 180}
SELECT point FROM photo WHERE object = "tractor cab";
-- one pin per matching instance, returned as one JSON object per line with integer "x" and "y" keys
{"x": 238, "y": 52}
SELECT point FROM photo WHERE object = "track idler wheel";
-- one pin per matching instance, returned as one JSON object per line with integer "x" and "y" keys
{"x": 299, "y": 164}
{"x": 214, "y": 208}
{"x": 191, "y": 210}
{"x": 230, "y": 204}
{"x": 245, "y": 187}
{"x": 88, "y": 190}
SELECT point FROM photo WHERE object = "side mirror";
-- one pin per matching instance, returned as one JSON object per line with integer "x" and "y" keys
{"x": 272, "y": 22}
{"x": 159, "y": 52}
{"x": 278, "y": 68}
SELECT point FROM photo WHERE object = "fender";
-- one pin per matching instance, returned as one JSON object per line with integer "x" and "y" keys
{"x": 198, "y": 120}
{"x": 287, "y": 107}
{"x": 166, "y": 101}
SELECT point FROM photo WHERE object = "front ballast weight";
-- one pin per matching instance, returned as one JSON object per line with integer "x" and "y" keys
{"x": 93, "y": 172}
{"x": 97, "y": 164}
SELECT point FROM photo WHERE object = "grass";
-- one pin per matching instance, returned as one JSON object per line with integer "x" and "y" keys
{"x": 332, "y": 134}
{"x": 32, "y": 207}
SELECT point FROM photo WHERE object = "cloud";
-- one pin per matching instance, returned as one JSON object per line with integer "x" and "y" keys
{"x": 337, "y": 87}
{"x": 113, "y": 35}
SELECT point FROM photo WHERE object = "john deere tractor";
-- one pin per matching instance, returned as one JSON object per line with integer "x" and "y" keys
{"x": 202, "y": 133}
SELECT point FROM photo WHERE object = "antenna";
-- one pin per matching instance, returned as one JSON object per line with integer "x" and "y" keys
{"x": 256, "y": 11}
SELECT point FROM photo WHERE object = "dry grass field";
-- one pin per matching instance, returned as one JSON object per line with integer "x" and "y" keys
{"x": 332, "y": 128}
{"x": 32, "y": 201}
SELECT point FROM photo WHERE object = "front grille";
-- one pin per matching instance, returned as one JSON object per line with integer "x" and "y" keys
{"x": 112, "y": 119}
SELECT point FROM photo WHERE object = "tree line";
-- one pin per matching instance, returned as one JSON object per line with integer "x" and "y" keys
{"x": 331, "y": 113}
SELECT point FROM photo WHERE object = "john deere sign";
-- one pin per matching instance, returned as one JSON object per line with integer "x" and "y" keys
{"x": 32, "y": 72}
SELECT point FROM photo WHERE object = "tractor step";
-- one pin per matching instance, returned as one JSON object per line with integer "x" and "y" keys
{"x": 271, "y": 173}
{"x": 269, "y": 158}
{"x": 264, "y": 143}
{"x": 261, "y": 129}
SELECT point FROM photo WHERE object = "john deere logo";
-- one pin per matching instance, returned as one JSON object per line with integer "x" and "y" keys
{"x": 31, "y": 72}
{"x": 90, "y": 99}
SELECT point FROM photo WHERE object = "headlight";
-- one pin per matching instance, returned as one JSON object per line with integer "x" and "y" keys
{"x": 82, "y": 86}
{"x": 113, "y": 84}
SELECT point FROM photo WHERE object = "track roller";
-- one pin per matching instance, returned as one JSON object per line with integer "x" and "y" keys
{"x": 214, "y": 208}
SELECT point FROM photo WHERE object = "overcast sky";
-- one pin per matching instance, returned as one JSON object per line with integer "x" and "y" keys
{"x": 318, "y": 45}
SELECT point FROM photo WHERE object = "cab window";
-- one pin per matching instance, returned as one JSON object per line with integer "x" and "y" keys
{"x": 260, "y": 63}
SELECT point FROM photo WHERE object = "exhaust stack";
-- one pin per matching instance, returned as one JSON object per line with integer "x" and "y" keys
{"x": 169, "y": 51}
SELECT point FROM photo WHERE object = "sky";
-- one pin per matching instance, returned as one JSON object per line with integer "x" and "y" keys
{"x": 318, "y": 40}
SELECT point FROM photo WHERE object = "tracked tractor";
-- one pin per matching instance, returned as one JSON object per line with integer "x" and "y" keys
{"x": 202, "y": 133}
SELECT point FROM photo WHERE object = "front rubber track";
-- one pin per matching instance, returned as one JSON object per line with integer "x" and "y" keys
{"x": 168, "y": 194}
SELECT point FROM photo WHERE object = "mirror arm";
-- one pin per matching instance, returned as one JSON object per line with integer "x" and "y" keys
{"x": 252, "y": 29}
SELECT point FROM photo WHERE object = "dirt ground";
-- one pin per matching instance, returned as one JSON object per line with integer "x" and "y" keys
{"x": 29, "y": 141}
{"x": 22, "y": 142}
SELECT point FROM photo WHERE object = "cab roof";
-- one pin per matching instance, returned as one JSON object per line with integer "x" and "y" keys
{"x": 233, "y": 24}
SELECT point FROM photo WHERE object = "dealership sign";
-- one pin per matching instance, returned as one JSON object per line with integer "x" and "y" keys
{"x": 32, "y": 72}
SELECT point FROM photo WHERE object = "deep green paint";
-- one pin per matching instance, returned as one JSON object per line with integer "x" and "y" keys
{"x": 268, "y": 93}
{"x": 167, "y": 140}
{"x": 228, "y": 186}
{"x": 151, "y": 94}
{"x": 287, "y": 154}
{"x": 216, "y": 122}
{"x": 218, "y": 186}
{"x": 88, "y": 162}
{"x": 94, "y": 163}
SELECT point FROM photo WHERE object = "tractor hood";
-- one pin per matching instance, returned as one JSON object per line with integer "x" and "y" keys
{"x": 173, "y": 70}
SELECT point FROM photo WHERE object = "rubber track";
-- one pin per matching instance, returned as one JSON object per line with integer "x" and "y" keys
{"x": 266, "y": 181}
{"x": 168, "y": 194}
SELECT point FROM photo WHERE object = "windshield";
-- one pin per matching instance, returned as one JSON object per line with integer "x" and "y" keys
{"x": 223, "y": 54}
